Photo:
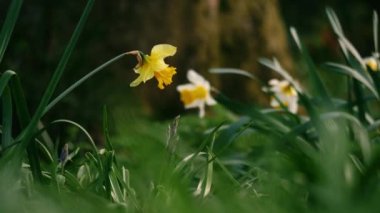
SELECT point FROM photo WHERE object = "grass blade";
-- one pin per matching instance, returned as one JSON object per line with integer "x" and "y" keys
{"x": 232, "y": 71}
{"x": 80, "y": 81}
{"x": 276, "y": 66}
{"x": 8, "y": 26}
{"x": 6, "y": 137}
{"x": 5, "y": 77}
{"x": 358, "y": 130}
{"x": 354, "y": 74}
{"x": 26, "y": 135}
{"x": 376, "y": 31}
{"x": 24, "y": 118}
{"x": 337, "y": 27}
{"x": 318, "y": 89}
{"x": 20, "y": 102}
{"x": 108, "y": 146}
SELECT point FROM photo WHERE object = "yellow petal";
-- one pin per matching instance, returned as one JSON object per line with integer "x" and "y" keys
{"x": 164, "y": 77}
{"x": 288, "y": 90}
{"x": 146, "y": 71}
{"x": 372, "y": 64}
{"x": 136, "y": 82}
{"x": 161, "y": 51}
{"x": 188, "y": 96}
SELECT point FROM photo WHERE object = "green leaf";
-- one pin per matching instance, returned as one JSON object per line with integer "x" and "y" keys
{"x": 20, "y": 102}
{"x": 252, "y": 112}
{"x": 82, "y": 80}
{"x": 368, "y": 83}
{"x": 4, "y": 80}
{"x": 7, "y": 112}
{"x": 8, "y": 26}
{"x": 108, "y": 146}
{"x": 232, "y": 71}
{"x": 347, "y": 46}
{"x": 191, "y": 157}
{"x": 27, "y": 134}
{"x": 6, "y": 137}
{"x": 82, "y": 129}
{"x": 228, "y": 135}
{"x": 351, "y": 54}
{"x": 318, "y": 89}
{"x": 276, "y": 66}
{"x": 209, "y": 171}
{"x": 358, "y": 130}
{"x": 117, "y": 192}
{"x": 24, "y": 118}
{"x": 334, "y": 22}
{"x": 376, "y": 31}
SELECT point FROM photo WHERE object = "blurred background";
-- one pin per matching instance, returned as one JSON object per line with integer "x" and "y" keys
{"x": 208, "y": 33}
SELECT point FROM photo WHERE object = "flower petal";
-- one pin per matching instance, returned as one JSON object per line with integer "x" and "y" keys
{"x": 164, "y": 77}
{"x": 146, "y": 71}
{"x": 202, "y": 110}
{"x": 293, "y": 105}
{"x": 195, "y": 78}
{"x": 162, "y": 51}
{"x": 372, "y": 64}
{"x": 210, "y": 101}
{"x": 136, "y": 82}
{"x": 185, "y": 87}
{"x": 273, "y": 82}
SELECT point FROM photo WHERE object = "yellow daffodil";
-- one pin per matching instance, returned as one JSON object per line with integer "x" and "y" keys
{"x": 153, "y": 65}
{"x": 284, "y": 92}
{"x": 196, "y": 93}
{"x": 372, "y": 64}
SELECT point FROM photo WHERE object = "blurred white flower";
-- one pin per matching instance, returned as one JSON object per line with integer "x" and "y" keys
{"x": 372, "y": 63}
{"x": 196, "y": 93}
{"x": 285, "y": 93}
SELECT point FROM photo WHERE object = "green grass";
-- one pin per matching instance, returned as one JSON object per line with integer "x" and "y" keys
{"x": 240, "y": 158}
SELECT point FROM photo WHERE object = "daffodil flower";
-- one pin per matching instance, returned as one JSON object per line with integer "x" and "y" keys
{"x": 285, "y": 93}
{"x": 372, "y": 63}
{"x": 153, "y": 65}
{"x": 196, "y": 93}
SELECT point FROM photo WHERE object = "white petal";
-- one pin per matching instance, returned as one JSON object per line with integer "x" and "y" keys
{"x": 195, "y": 104}
{"x": 293, "y": 105}
{"x": 201, "y": 110}
{"x": 185, "y": 87}
{"x": 273, "y": 82}
{"x": 274, "y": 103}
{"x": 195, "y": 78}
{"x": 210, "y": 101}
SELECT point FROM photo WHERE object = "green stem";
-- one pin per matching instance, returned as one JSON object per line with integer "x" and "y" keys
{"x": 80, "y": 81}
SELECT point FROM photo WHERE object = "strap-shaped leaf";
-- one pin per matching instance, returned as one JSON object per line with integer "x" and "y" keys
{"x": 4, "y": 80}
{"x": 276, "y": 66}
{"x": 340, "y": 68}
{"x": 6, "y": 136}
{"x": 337, "y": 27}
{"x": 82, "y": 80}
{"x": 376, "y": 31}
{"x": 359, "y": 132}
{"x": 8, "y": 26}
{"x": 232, "y": 71}
{"x": 27, "y": 134}
{"x": 318, "y": 89}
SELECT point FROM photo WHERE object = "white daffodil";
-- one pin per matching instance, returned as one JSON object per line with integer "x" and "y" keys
{"x": 196, "y": 93}
{"x": 285, "y": 93}
{"x": 372, "y": 63}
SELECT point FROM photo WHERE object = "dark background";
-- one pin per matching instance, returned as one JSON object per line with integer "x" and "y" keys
{"x": 208, "y": 33}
